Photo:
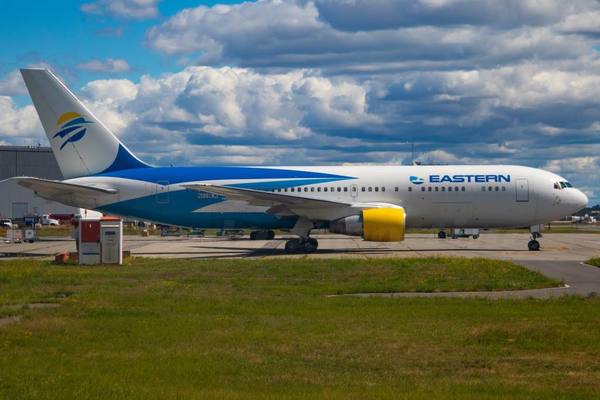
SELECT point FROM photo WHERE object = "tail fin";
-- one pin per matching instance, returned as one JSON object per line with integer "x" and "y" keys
{"x": 81, "y": 144}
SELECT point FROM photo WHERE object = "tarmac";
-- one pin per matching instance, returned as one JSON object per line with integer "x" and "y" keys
{"x": 561, "y": 256}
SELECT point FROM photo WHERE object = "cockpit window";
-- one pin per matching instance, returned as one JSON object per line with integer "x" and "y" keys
{"x": 565, "y": 185}
{"x": 562, "y": 185}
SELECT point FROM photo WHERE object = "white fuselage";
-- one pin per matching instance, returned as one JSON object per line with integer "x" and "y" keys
{"x": 477, "y": 196}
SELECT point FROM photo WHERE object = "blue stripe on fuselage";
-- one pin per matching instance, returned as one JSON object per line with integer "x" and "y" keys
{"x": 124, "y": 161}
{"x": 177, "y": 208}
{"x": 190, "y": 174}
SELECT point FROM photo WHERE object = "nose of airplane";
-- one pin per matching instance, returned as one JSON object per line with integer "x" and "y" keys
{"x": 580, "y": 199}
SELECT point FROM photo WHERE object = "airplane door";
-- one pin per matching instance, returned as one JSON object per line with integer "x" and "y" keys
{"x": 354, "y": 191}
{"x": 162, "y": 192}
{"x": 522, "y": 186}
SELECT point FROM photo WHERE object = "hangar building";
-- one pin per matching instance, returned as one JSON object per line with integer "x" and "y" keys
{"x": 17, "y": 201}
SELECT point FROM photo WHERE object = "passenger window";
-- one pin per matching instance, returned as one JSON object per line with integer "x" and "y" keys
{"x": 422, "y": 189}
{"x": 463, "y": 188}
{"x": 496, "y": 188}
{"x": 345, "y": 188}
{"x": 437, "y": 188}
{"x": 333, "y": 189}
{"x": 339, "y": 189}
{"x": 376, "y": 188}
{"x": 429, "y": 189}
{"x": 324, "y": 189}
{"x": 362, "y": 189}
{"x": 312, "y": 189}
{"x": 319, "y": 189}
{"x": 409, "y": 189}
{"x": 490, "y": 188}
{"x": 397, "y": 189}
{"x": 370, "y": 189}
{"x": 383, "y": 188}
{"x": 504, "y": 188}
{"x": 306, "y": 189}
{"x": 285, "y": 190}
{"x": 443, "y": 188}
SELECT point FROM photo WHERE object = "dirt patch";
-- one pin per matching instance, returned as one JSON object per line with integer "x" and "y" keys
{"x": 41, "y": 305}
{"x": 9, "y": 320}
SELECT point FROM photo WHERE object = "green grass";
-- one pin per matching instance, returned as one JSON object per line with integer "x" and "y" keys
{"x": 594, "y": 261}
{"x": 166, "y": 329}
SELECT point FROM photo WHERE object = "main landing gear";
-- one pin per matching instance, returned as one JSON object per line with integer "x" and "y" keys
{"x": 262, "y": 235}
{"x": 533, "y": 244}
{"x": 301, "y": 245}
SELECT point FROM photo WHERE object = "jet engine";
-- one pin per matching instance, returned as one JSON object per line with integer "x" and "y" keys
{"x": 373, "y": 224}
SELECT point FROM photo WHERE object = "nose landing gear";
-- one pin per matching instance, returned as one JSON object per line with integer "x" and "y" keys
{"x": 533, "y": 244}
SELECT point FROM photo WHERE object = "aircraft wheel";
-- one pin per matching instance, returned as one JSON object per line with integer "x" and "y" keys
{"x": 533, "y": 245}
{"x": 311, "y": 245}
{"x": 270, "y": 235}
{"x": 441, "y": 235}
{"x": 293, "y": 246}
{"x": 475, "y": 236}
{"x": 253, "y": 235}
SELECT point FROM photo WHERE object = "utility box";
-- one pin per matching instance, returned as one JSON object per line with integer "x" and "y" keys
{"x": 111, "y": 240}
{"x": 101, "y": 241}
{"x": 89, "y": 241}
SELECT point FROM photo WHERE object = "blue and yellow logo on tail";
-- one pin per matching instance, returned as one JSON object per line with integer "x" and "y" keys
{"x": 72, "y": 127}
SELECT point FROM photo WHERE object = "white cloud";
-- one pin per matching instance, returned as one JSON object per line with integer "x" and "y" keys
{"x": 583, "y": 165}
{"x": 109, "y": 65}
{"x": 377, "y": 14}
{"x": 12, "y": 84}
{"x": 18, "y": 122}
{"x": 109, "y": 100}
{"x": 372, "y": 35}
{"x": 237, "y": 102}
{"x": 586, "y": 22}
{"x": 439, "y": 157}
{"x": 130, "y": 9}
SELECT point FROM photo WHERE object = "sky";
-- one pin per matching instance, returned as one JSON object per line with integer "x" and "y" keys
{"x": 321, "y": 82}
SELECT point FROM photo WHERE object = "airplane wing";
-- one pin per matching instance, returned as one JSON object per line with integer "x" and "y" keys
{"x": 284, "y": 204}
{"x": 262, "y": 198}
{"x": 67, "y": 193}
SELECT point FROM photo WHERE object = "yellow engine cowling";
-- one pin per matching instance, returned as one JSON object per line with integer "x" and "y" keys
{"x": 384, "y": 224}
{"x": 373, "y": 224}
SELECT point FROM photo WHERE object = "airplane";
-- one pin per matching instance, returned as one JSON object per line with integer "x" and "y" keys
{"x": 376, "y": 202}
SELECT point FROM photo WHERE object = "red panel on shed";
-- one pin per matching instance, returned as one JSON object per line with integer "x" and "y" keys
{"x": 90, "y": 231}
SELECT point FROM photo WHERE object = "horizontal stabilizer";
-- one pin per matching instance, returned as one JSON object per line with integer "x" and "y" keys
{"x": 66, "y": 193}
